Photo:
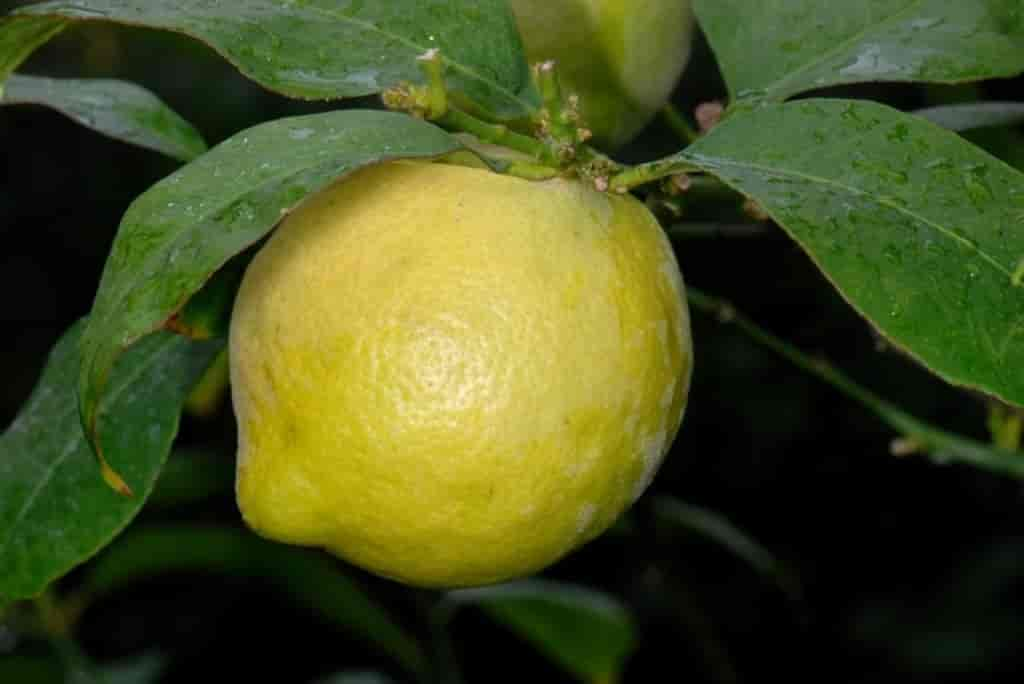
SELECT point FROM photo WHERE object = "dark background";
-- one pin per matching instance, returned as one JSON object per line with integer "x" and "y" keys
{"x": 906, "y": 569}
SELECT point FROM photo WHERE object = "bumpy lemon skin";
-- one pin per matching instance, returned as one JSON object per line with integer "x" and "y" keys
{"x": 451, "y": 377}
{"x": 622, "y": 57}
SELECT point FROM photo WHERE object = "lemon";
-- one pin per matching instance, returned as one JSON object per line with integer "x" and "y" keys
{"x": 622, "y": 57}
{"x": 452, "y": 377}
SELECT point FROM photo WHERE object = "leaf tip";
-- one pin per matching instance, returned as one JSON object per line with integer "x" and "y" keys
{"x": 115, "y": 481}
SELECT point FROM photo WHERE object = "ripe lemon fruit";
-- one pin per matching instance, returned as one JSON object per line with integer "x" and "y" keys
{"x": 452, "y": 377}
{"x": 622, "y": 57}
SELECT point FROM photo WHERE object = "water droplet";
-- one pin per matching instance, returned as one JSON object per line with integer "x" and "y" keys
{"x": 300, "y": 133}
{"x": 926, "y": 23}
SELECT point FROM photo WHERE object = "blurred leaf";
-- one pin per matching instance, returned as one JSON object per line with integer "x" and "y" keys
{"x": 588, "y": 633}
{"x": 309, "y": 577}
{"x": 20, "y": 36}
{"x": 212, "y": 389}
{"x": 777, "y": 48}
{"x": 717, "y": 528}
{"x": 55, "y": 510}
{"x": 325, "y": 49}
{"x": 921, "y": 231}
{"x": 22, "y": 669}
{"x": 178, "y": 233}
{"x": 965, "y": 117}
{"x": 143, "y": 669}
{"x": 357, "y": 678}
{"x": 121, "y": 110}
{"x": 191, "y": 476}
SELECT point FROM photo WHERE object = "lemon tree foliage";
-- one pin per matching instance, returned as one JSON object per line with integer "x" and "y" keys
{"x": 971, "y": 115}
{"x": 55, "y": 512}
{"x": 20, "y": 36}
{"x": 921, "y": 231}
{"x": 307, "y": 577}
{"x": 329, "y": 49}
{"x": 121, "y": 110}
{"x": 178, "y": 233}
{"x": 588, "y": 633}
{"x": 784, "y": 47}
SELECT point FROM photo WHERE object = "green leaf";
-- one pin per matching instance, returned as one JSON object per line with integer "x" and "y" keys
{"x": 309, "y": 577}
{"x": 327, "y": 49}
{"x": 123, "y": 111}
{"x": 922, "y": 232}
{"x": 178, "y": 233}
{"x": 588, "y": 633}
{"x": 969, "y": 116}
{"x": 777, "y": 48}
{"x": 20, "y": 36}
{"x": 357, "y": 678}
{"x": 55, "y": 510}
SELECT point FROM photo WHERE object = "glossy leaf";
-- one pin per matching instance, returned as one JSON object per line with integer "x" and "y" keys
{"x": 328, "y": 49}
{"x": 20, "y": 36}
{"x": 921, "y": 231}
{"x": 120, "y": 110}
{"x": 777, "y": 48}
{"x": 309, "y": 577}
{"x": 178, "y": 233}
{"x": 55, "y": 510}
{"x": 588, "y": 633}
{"x": 972, "y": 115}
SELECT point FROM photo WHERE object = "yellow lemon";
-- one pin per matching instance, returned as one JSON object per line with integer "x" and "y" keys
{"x": 622, "y": 57}
{"x": 452, "y": 377}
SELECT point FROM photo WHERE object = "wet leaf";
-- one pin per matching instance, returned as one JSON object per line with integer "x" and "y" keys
{"x": 587, "y": 632}
{"x": 181, "y": 231}
{"x": 121, "y": 110}
{"x": 921, "y": 231}
{"x": 55, "y": 510}
{"x": 309, "y": 577}
{"x": 972, "y": 115}
{"x": 777, "y": 48}
{"x": 328, "y": 49}
{"x": 20, "y": 36}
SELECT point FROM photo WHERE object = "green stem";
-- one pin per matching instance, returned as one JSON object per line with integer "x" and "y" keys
{"x": 436, "y": 93}
{"x": 679, "y": 125}
{"x": 942, "y": 446}
{"x": 648, "y": 173}
{"x": 456, "y": 119}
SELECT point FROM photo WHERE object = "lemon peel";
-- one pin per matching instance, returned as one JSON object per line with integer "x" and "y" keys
{"x": 452, "y": 377}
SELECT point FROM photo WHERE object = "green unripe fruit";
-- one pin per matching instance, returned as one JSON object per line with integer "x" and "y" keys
{"x": 622, "y": 57}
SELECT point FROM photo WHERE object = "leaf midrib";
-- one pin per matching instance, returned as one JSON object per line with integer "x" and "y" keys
{"x": 68, "y": 449}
